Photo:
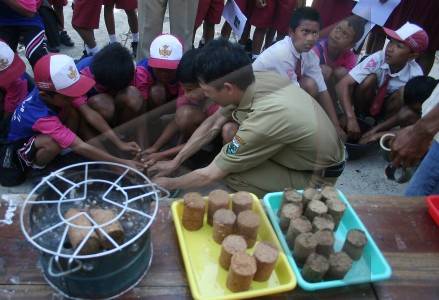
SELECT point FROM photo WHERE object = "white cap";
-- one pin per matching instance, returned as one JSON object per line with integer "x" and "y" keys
{"x": 6, "y": 56}
{"x": 165, "y": 52}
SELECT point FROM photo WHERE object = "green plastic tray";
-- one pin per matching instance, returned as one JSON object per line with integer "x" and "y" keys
{"x": 371, "y": 267}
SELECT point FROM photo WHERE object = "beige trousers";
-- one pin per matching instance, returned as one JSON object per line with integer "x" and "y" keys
{"x": 270, "y": 177}
{"x": 182, "y": 15}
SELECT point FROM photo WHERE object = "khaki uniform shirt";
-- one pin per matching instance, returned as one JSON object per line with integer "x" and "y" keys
{"x": 279, "y": 121}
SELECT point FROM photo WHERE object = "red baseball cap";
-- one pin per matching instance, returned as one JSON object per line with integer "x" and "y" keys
{"x": 11, "y": 65}
{"x": 411, "y": 35}
{"x": 58, "y": 73}
{"x": 165, "y": 52}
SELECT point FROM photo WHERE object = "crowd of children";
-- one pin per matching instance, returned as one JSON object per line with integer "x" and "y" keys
{"x": 79, "y": 105}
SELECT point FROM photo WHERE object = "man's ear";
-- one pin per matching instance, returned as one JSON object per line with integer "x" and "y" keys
{"x": 230, "y": 87}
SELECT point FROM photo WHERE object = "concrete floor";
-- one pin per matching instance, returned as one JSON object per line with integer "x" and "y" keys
{"x": 361, "y": 177}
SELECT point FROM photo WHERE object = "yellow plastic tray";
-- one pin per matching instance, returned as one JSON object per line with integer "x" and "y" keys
{"x": 207, "y": 279}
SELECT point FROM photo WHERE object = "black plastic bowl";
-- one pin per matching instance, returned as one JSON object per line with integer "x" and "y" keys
{"x": 355, "y": 150}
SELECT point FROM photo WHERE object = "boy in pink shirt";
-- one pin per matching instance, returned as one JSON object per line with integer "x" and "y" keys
{"x": 41, "y": 124}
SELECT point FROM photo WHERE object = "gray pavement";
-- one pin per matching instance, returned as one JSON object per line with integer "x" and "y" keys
{"x": 361, "y": 177}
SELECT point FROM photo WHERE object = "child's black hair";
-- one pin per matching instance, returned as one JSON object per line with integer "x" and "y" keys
{"x": 113, "y": 67}
{"x": 304, "y": 13}
{"x": 418, "y": 89}
{"x": 357, "y": 24}
{"x": 186, "y": 68}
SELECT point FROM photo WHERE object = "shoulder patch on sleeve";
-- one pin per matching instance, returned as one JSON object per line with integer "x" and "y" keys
{"x": 234, "y": 145}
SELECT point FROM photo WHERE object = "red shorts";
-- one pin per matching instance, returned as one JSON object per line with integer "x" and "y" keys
{"x": 58, "y": 2}
{"x": 210, "y": 11}
{"x": 122, "y": 4}
{"x": 282, "y": 17}
{"x": 86, "y": 14}
{"x": 263, "y": 17}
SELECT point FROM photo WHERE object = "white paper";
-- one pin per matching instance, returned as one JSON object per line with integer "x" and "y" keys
{"x": 234, "y": 16}
{"x": 375, "y": 11}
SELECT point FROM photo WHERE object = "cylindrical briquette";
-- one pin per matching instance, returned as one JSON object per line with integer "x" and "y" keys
{"x": 336, "y": 209}
{"x": 241, "y": 201}
{"x": 113, "y": 229}
{"x": 241, "y": 272}
{"x": 291, "y": 196}
{"x": 77, "y": 235}
{"x": 248, "y": 225}
{"x": 289, "y": 212}
{"x": 314, "y": 209}
{"x": 217, "y": 199}
{"x": 325, "y": 242}
{"x": 232, "y": 244}
{"x": 310, "y": 194}
{"x": 297, "y": 226}
{"x": 266, "y": 255}
{"x": 223, "y": 224}
{"x": 329, "y": 192}
{"x": 193, "y": 211}
{"x": 304, "y": 245}
{"x": 354, "y": 243}
{"x": 323, "y": 222}
{"x": 339, "y": 265}
{"x": 315, "y": 268}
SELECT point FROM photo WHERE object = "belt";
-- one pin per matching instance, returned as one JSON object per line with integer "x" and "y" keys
{"x": 333, "y": 171}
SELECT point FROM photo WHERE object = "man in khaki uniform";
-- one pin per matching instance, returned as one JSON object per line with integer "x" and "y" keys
{"x": 285, "y": 139}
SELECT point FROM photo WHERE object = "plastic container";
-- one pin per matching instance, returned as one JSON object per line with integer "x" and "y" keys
{"x": 371, "y": 267}
{"x": 207, "y": 279}
{"x": 433, "y": 207}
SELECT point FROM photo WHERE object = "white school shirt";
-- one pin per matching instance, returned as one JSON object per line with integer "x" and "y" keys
{"x": 431, "y": 103}
{"x": 282, "y": 58}
{"x": 375, "y": 64}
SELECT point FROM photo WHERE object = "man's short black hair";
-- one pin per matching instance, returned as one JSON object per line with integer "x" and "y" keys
{"x": 418, "y": 89}
{"x": 221, "y": 61}
{"x": 304, "y": 13}
{"x": 357, "y": 24}
{"x": 186, "y": 68}
{"x": 113, "y": 67}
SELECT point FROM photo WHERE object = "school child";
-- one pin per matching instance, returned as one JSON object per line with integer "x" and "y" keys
{"x": 13, "y": 80}
{"x": 416, "y": 92}
{"x": 191, "y": 110}
{"x": 130, "y": 7}
{"x": 20, "y": 22}
{"x": 377, "y": 81}
{"x": 209, "y": 13}
{"x": 292, "y": 58}
{"x": 335, "y": 52}
{"x": 158, "y": 74}
{"x": 39, "y": 126}
{"x": 281, "y": 20}
{"x": 246, "y": 7}
{"x": 115, "y": 95}
{"x": 86, "y": 15}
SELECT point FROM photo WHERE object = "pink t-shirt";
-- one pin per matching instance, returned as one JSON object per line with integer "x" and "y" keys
{"x": 346, "y": 60}
{"x": 14, "y": 94}
{"x": 53, "y": 127}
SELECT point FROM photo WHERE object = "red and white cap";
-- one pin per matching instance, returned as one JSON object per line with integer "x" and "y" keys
{"x": 58, "y": 73}
{"x": 411, "y": 35}
{"x": 165, "y": 52}
{"x": 11, "y": 65}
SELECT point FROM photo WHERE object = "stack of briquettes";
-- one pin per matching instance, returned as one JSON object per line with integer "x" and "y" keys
{"x": 309, "y": 220}
{"x": 235, "y": 228}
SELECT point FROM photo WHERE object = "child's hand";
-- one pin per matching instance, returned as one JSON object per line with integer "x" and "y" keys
{"x": 140, "y": 166}
{"x": 130, "y": 147}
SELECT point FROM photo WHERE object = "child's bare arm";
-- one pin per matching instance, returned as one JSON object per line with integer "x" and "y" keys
{"x": 167, "y": 134}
